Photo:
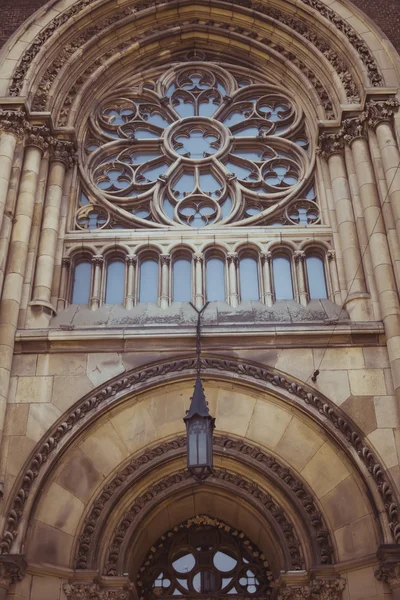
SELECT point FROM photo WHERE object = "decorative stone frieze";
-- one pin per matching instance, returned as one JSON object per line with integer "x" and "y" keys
{"x": 377, "y": 111}
{"x": 128, "y": 383}
{"x": 92, "y": 591}
{"x": 13, "y": 121}
{"x": 180, "y": 477}
{"x": 12, "y": 569}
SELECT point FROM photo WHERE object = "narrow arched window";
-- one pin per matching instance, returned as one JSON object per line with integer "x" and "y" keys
{"x": 182, "y": 280}
{"x": 248, "y": 271}
{"x": 282, "y": 272}
{"x": 215, "y": 279}
{"x": 81, "y": 284}
{"x": 115, "y": 282}
{"x": 148, "y": 291}
{"x": 316, "y": 277}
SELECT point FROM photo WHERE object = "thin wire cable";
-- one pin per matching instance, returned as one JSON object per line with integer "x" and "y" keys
{"x": 315, "y": 371}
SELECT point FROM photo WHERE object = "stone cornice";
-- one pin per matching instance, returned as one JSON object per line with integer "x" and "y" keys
{"x": 325, "y": 412}
{"x": 228, "y": 446}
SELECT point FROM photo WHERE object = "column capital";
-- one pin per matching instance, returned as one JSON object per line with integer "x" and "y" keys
{"x": 12, "y": 569}
{"x": 66, "y": 261}
{"x": 331, "y": 255}
{"x": 327, "y": 589}
{"x": 330, "y": 143}
{"x": 389, "y": 567}
{"x": 13, "y": 121}
{"x": 37, "y": 136}
{"x": 354, "y": 129}
{"x": 378, "y": 111}
{"x": 165, "y": 259}
{"x": 232, "y": 257}
{"x": 131, "y": 259}
{"x": 92, "y": 591}
{"x": 266, "y": 256}
{"x": 198, "y": 257}
{"x": 63, "y": 151}
{"x": 294, "y": 592}
{"x": 299, "y": 255}
{"x": 97, "y": 259}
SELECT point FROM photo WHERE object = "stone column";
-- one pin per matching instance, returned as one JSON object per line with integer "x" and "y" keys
{"x": 232, "y": 279}
{"x": 97, "y": 265}
{"x": 63, "y": 292}
{"x": 198, "y": 280}
{"x": 332, "y": 148}
{"x": 356, "y": 137}
{"x": 333, "y": 274}
{"x": 130, "y": 298}
{"x": 12, "y": 126}
{"x": 17, "y": 258}
{"x": 165, "y": 260}
{"x": 12, "y": 570}
{"x": 299, "y": 258}
{"x": 379, "y": 115}
{"x": 61, "y": 157}
{"x": 268, "y": 296}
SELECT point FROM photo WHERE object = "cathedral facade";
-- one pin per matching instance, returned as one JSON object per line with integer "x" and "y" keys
{"x": 200, "y": 189}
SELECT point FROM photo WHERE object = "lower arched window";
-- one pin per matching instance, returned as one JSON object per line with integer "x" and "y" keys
{"x": 81, "y": 283}
{"x": 215, "y": 279}
{"x": 282, "y": 273}
{"x": 148, "y": 288}
{"x": 316, "y": 277}
{"x": 115, "y": 282}
{"x": 182, "y": 280}
{"x": 248, "y": 271}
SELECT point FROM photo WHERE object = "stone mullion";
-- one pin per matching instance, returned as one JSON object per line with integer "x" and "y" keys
{"x": 356, "y": 302}
{"x": 362, "y": 232}
{"x": 335, "y": 230}
{"x": 268, "y": 295}
{"x": 165, "y": 260}
{"x": 334, "y": 279}
{"x": 233, "y": 298}
{"x": 64, "y": 279}
{"x": 97, "y": 265}
{"x": 198, "y": 280}
{"x": 130, "y": 297}
{"x": 383, "y": 269}
{"x": 8, "y": 217}
{"x": 17, "y": 260}
{"x": 60, "y": 158}
{"x": 302, "y": 294}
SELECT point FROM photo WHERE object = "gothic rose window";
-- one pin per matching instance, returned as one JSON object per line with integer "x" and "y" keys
{"x": 204, "y": 557}
{"x": 199, "y": 146}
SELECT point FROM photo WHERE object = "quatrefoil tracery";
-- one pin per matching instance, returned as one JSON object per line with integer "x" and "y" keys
{"x": 196, "y": 149}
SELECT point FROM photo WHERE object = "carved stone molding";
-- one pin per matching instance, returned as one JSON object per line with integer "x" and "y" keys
{"x": 13, "y": 121}
{"x": 234, "y": 479}
{"x": 63, "y": 151}
{"x": 223, "y": 444}
{"x": 12, "y": 569}
{"x": 92, "y": 591}
{"x": 378, "y": 111}
{"x": 143, "y": 377}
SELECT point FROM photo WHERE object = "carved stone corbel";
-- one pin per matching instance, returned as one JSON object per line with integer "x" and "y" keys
{"x": 12, "y": 570}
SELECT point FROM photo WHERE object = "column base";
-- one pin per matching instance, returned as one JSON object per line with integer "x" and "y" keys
{"x": 39, "y": 314}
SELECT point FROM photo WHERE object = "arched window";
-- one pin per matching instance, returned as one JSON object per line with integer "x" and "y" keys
{"x": 316, "y": 277}
{"x": 182, "y": 280}
{"x": 282, "y": 273}
{"x": 204, "y": 560}
{"x": 81, "y": 283}
{"x": 148, "y": 287}
{"x": 115, "y": 282}
{"x": 215, "y": 279}
{"x": 248, "y": 271}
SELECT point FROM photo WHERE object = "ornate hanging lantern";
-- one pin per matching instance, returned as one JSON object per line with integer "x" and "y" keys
{"x": 199, "y": 424}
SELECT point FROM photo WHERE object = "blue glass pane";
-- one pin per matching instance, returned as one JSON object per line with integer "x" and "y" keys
{"x": 184, "y": 109}
{"x": 316, "y": 277}
{"x": 208, "y": 108}
{"x": 115, "y": 282}
{"x": 182, "y": 273}
{"x": 226, "y": 207}
{"x": 209, "y": 184}
{"x": 184, "y": 185}
{"x": 215, "y": 279}
{"x": 282, "y": 278}
{"x": 249, "y": 279}
{"x": 155, "y": 171}
{"x": 148, "y": 281}
{"x": 240, "y": 171}
{"x": 169, "y": 209}
{"x": 81, "y": 285}
{"x": 141, "y": 133}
